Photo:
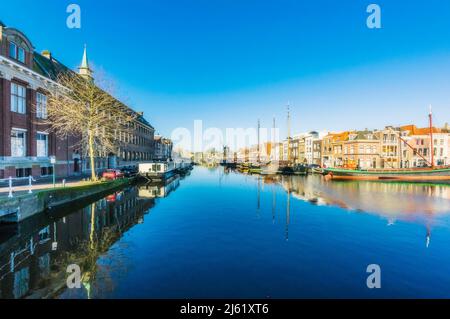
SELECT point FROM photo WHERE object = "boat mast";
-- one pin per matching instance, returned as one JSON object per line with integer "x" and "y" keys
{"x": 288, "y": 134}
{"x": 258, "y": 149}
{"x": 431, "y": 137}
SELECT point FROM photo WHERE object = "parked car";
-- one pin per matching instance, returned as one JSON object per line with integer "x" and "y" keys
{"x": 113, "y": 174}
{"x": 130, "y": 171}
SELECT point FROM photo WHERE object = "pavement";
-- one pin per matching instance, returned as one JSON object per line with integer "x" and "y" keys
{"x": 21, "y": 187}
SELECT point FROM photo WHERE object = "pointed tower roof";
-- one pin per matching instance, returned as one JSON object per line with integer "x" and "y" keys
{"x": 84, "y": 69}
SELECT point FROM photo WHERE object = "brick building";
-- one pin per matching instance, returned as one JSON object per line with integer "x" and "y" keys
{"x": 26, "y": 143}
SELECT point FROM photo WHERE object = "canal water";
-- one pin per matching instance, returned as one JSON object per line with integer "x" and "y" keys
{"x": 222, "y": 234}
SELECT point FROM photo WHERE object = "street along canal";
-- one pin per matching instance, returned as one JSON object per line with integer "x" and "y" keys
{"x": 218, "y": 233}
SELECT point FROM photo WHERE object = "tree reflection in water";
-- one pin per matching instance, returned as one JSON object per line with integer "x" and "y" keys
{"x": 34, "y": 255}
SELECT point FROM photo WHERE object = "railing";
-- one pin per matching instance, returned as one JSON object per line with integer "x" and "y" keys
{"x": 10, "y": 182}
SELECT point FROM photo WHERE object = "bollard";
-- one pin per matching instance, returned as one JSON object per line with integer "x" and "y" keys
{"x": 64, "y": 182}
{"x": 30, "y": 179}
{"x": 10, "y": 188}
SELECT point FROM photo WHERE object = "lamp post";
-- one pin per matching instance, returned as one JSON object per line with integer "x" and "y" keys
{"x": 53, "y": 162}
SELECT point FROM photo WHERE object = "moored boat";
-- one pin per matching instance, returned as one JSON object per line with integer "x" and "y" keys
{"x": 317, "y": 170}
{"x": 163, "y": 170}
{"x": 428, "y": 174}
{"x": 270, "y": 169}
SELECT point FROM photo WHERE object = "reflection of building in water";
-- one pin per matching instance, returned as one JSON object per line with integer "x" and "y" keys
{"x": 159, "y": 190}
{"x": 39, "y": 252}
{"x": 393, "y": 201}
{"x": 400, "y": 200}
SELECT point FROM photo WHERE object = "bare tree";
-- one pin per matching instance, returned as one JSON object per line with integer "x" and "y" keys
{"x": 81, "y": 108}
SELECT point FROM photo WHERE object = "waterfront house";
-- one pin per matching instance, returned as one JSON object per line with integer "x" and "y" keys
{"x": 317, "y": 152}
{"x": 390, "y": 147}
{"x": 361, "y": 150}
{"x": 419, "y": 152}
{"x": 337, "y": 148}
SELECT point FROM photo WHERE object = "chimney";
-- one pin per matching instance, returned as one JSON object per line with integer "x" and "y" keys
{"x": 47, "y": 54}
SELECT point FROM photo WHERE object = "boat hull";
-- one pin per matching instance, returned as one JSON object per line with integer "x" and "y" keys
{"x": 413, "y": 175}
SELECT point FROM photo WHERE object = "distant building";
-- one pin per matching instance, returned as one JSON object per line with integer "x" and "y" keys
{"x": 317, "y": 152}
{"x": 163, "y": 148}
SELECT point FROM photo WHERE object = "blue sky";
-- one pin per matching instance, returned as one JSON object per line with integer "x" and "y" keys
{"x": 230, "y": 62}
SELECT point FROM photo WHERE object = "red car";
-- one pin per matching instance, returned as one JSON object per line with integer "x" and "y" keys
{"x": 113, "y": 174}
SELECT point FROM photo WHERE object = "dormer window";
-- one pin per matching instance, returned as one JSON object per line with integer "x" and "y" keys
{"x": 16, "y": 52}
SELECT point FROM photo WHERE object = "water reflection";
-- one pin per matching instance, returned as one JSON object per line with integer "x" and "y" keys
{"x": 159, "y": 190}
{"x": 251, "y": 236}
{"x": 34, "y": 255}
{"x": 393, "y": 201}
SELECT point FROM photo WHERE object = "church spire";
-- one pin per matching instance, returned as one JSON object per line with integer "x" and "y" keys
{"x": 84, "y": 69}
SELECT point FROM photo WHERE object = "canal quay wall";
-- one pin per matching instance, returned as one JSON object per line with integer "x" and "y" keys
{"x": 15, "y": 210}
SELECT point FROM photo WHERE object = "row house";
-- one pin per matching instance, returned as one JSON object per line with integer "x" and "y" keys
{"x": 27, "y": 144}
{"x": 327, "y": 150}
{"x": 298, "y": 149}
{"x": 390, "y": 147}
{"x": 309, "y": 144}
{"x": 260, "y": 154}
{"x": 317, "y": 152}
{"x": 337, "y": 149}
{"x": 418, "y": 153}
{"x": 276, "y": 153}
{"x": 361, "y": 150}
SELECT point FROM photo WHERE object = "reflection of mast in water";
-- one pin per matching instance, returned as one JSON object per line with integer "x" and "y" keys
{"x": 288, "y": 213}
{"x": 258, "y": 204}
{"x": 273, "y": 203}
{"x": 428, "y": 238}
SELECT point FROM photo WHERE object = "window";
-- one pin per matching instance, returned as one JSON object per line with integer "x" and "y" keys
{"x": 16, "y": 52}
{"x": 18, "y": 145}
{"x": 21, "y": 55}
{"x": 42, "y": 145}
{"x": 41, "y": 106}
{"x": 13, "y": 50}
{"x": 20, "y": 172}
{"x": 18, "y": 98}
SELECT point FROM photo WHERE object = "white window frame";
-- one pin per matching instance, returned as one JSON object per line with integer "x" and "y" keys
{"x": 46, "y": 144}
{"x": 41, "y": 105}
{"x": 13, "y": 145}
{"x": 16, "y": 98}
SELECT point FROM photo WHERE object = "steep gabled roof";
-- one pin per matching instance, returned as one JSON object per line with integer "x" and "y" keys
{"x": 49, "y": 67}
{"x": 414, "y": 130}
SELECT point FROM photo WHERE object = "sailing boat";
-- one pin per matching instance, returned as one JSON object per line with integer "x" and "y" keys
{"x": 432, "y": 174}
